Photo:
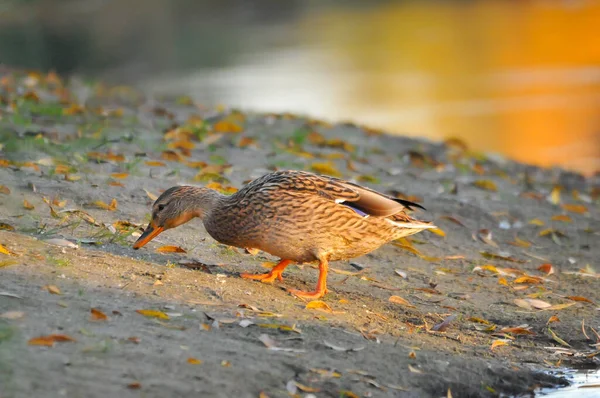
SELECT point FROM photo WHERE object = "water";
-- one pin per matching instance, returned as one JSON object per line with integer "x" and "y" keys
{"x": 585, "y": 383}
{"x": 518, "y": 78}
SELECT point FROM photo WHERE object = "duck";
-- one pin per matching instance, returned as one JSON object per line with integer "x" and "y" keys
{"x": 296, "y": 216}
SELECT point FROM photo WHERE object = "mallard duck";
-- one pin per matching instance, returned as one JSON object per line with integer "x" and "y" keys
{"x": 294, "y": 215}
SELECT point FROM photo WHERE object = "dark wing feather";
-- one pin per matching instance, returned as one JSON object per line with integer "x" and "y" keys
{"x": 367, "y": 200}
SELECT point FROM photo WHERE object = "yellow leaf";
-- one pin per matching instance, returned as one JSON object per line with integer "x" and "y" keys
{"x": 28, "y": 205}
{"x": 529, "y": 279}
{"x": 558, "y": 307}
{"x": 558, "y": 339}
{"x": 502, "y": 281}
{"x": 488, "y": 185}
{"x": 490, "y": 268}
{"x": 520, "y": 242}
{"x": 155, "y": 163}
{"x": 498, "y": 343}
{"x": 170, "y": 249}
{"x": 225, "y": 126}
{"x": 111, "y": 207}
{"x": 153, "y": 314}
{"x": 326, "y": 168}
{"x": 561, "y": 217}
{"x": 194, "y": 361}
{"x": 579, "y": 209}
{"x": 555, "y": 195}
{"x": 318, "y": 305}
{"x": 437, "y": 231}
{"x": 119, "y": 176}
{"x": 536, "y": 221}
{"x": 401, "y": 301}
{"x": 4, "y": 250}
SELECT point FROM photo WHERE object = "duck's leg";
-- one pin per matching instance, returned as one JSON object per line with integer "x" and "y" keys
{"x": 269, "y": 277}
{"x": 321, "y": 283}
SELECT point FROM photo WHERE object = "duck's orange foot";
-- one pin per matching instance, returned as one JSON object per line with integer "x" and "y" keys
{"x": 269, "y": 277}
{"x": 317, "y": 294}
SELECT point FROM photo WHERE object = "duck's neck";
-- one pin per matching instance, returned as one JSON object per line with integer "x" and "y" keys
{"x": 204, "y": 201}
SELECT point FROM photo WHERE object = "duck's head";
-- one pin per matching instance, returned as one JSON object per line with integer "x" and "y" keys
{"x": 176, "y": 206}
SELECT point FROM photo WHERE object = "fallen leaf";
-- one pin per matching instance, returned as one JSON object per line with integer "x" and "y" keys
{"x": 6, "y": 227}
{"x": 318, "y": 305}
{"x": 119, "y": 176}
{"x": 110, "y": 207}
{"x": 52, "y": 289}
{"x": 49, "y": 340}
{"x": 579, "y": 209}
{"x": 548, "y": 269}
{"x": 552, "y": 319}
{"x": 4, "y": 189}
{"x": 326, "y": 168}
{"x": 62, "y": 243}
{"x": 498, "y": 343}
{"x": 558, "y": 307}
{"x": 194, "y": 361}
{"x": 493, "y": 256}
{"x": 530, "y": 304}
{"x": 516, "y": 331}
{"x": 12, "y": 315}
{"x": 134, "y": 386}
{"x": 488, "y": 185}
{"x": 27, "y": 205}
{"x": 98, "y": 315}
{"x": 534, "y": 280}
{"x": 580, "y": 298}
{"x": 225, "y": 126}
{"x": 414, "y": 370}
{"x": 520, "y": 242}
{"x": 562, "y": 217}
{"x": 4, "y": 250}
{"x": 554, "y": 197}
{"x": 485, "y": 235}
{"x": 536, "y": 221}
{"x": 170, "y": 249}
{"x": 556, "y": 338}
{"x": 155, "y": 163}
{"x": 153, "y": 314}
{"x": 342, "y": 349}
{"x": 502, "y": 281}
{"x": 454, "y": 220}
{"x": 151, "y": 195}
{"x": 441, "y": 327}
{"x": 401, "y": 301}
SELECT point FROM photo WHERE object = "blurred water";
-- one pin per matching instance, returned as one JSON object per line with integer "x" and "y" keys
{"x": 584, "y": 384}
{"x": 519, "y": 78}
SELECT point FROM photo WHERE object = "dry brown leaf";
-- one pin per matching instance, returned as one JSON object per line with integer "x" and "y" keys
{"x": 530, "y": 304}
{"x": 318, "y": 305}
{"x": 548, "y": 269}
{"x": 27, "y": 205}
{"x": 6, "y": 227}
{"x": 4, "y": 189}
{"x": 194, "y": 361}
{"x": 49, "y": 340}
{"x": 151, "y": 195}
{"x": 153, "y": 314}
{"x": 155, "y": 163}
{"x": 97, "y": 315}
{"x": 579, "y": 209}
{"x": 552, "y": 319}
{"x": 119, "y": 176}
{"x": 401, "y": 301}
{"x": 52, "y": 289}
{"x": 516, "y": 331}
{"x": 454, "y": 220}
{"x": 110, "y": 207}
{"x": 558, "y": 307}
{"x": 580, "y": 298}
{"x": 170, "y": 249}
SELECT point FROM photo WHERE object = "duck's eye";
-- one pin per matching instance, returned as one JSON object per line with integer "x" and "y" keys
{"x": 161, "y": 207}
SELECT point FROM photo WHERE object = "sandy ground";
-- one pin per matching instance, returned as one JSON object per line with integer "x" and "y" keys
{"x": 226, "y": 336}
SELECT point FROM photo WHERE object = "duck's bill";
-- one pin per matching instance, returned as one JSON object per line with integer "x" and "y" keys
{"x": 150, "y": 233}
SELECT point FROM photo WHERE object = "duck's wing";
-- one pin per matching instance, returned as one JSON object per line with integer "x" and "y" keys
{"x": 365, "y": 200}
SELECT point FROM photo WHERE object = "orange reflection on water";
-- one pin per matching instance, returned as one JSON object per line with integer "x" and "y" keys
{"x": 520, "y": 78}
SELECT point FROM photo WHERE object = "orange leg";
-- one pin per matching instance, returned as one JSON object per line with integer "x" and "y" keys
{"x": 269, "y": 277}
{"x": 321, "y": 284}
